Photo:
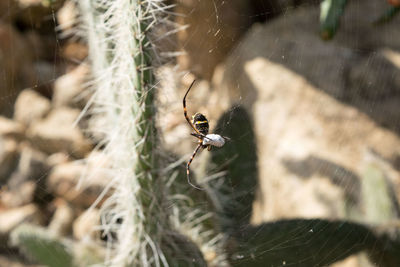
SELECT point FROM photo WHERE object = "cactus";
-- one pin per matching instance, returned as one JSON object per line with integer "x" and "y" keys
{"x": 38, "y": 244}
{"x": 120, "y": 54}
{"x": 138, "y": 228}
{"x": 377, "y": 199}
{"x": 46, "y": 248}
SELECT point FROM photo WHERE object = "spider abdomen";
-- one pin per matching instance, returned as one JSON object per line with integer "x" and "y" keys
{"x": 214, "y": 140}
{"x": 201, "y": 123}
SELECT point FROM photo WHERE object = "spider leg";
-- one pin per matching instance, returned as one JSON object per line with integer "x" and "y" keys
{"x": 185, "y": 110}
{"x": 200, "y": 136}
{"x": 188, "y": 169}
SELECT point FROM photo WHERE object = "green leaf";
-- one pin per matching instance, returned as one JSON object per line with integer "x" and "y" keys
{"x": 388, "y": 15}
{"x": 331, "y": 11}
{"x": 41, "y": 246}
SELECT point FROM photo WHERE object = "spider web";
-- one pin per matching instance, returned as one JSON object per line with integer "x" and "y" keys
{"x": 286, "y": 199}
{"x": 279, "y": 198}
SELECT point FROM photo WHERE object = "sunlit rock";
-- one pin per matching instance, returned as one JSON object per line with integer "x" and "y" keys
{"x": 57, "y": 133}
{"x": 30, "y": 106}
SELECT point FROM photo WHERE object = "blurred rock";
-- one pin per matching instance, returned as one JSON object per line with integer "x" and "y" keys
{"x": 358, "y": 260}
{"x": 85, "y": 225}
{"x": 30, "y": 107}
{"x": 75, "y": 51}
{"x": 61, "y": 223}
{"x": 67, "y": 17}
{"x": 46, "y": 67}
{"x": 8, "y": 9}
{"x": 46, "y": 73}
{"x": 32, "y": 163}
{"x": 394, "y": 2}
{"x": 79, "y": 183}
{"x": 11, "y": 129}
{"x": 27, "y": 182}
{"x": 311, "y": 137}
{"x": 214, "y": 28}
{"x": 30, "y": 3}
{"x": 15, "y": 67}
{"x": 36, "y": 13}
{"x": 376, "y": 76}
{"x": 357, "y": 31}
{"x": 265, "y": 10}
{"x": 68, "y": 89}
{"x": 56, "y": 133}
{"x": 291, "y": 38}
{"x": 16, "y": 197}
{"x": 8, "y": 158}
{"x": 373, "y": 85}
{"x": 44, "y": 46}
{"x": 57, "y": 158}
{"x": 9, "y": 219}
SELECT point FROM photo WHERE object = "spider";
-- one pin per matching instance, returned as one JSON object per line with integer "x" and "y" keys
{"x": 199, "y": 123}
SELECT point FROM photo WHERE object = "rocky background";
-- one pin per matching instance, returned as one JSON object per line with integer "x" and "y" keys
{"x": 324, "y": 116}
{"x": 42, "y": 140}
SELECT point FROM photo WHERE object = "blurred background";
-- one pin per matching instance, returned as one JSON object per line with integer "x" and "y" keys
{"x": 308, "y": 92}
